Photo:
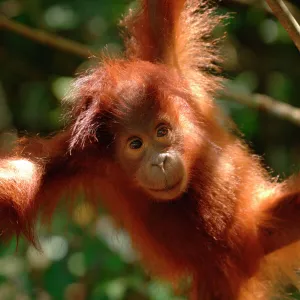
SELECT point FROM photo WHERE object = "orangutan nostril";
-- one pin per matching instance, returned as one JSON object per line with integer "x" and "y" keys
{"x": 160, "y": 161}
{"x": 159, "y": 165}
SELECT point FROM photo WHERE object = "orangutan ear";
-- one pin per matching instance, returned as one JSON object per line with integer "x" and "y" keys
{"x": 281, "y": 222}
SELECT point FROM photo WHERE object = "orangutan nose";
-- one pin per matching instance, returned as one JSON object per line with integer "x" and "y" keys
{"x": 160, "y": 160}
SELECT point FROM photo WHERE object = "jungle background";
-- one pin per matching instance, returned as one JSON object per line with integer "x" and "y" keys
{"x": 86, "y": 256}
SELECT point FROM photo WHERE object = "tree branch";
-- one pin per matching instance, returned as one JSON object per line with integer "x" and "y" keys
{"x": 256, "y": 101}
{"x": 286, "y": 19}
{"x": 46, "y": 38}
{"x": 265, "y": 103}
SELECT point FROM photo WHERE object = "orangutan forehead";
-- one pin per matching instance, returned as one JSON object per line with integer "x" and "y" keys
{"x": 140, "y": 102}
{"x": 139, "y": 115}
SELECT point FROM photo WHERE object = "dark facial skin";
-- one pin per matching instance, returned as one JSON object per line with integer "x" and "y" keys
{"x": 148, "y": 149}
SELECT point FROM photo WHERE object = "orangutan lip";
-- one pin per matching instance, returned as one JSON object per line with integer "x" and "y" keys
{"x": 169, "y": 188}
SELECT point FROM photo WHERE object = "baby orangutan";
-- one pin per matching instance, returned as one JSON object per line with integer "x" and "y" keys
{"x": 145, "y": 135}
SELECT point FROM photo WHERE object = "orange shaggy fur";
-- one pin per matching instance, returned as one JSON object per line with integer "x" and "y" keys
{"x": 234, "y": 229}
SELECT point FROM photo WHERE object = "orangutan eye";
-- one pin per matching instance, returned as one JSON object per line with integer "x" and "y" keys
{"x": 135, "y": 144}
{"x": 162, "y": 131}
